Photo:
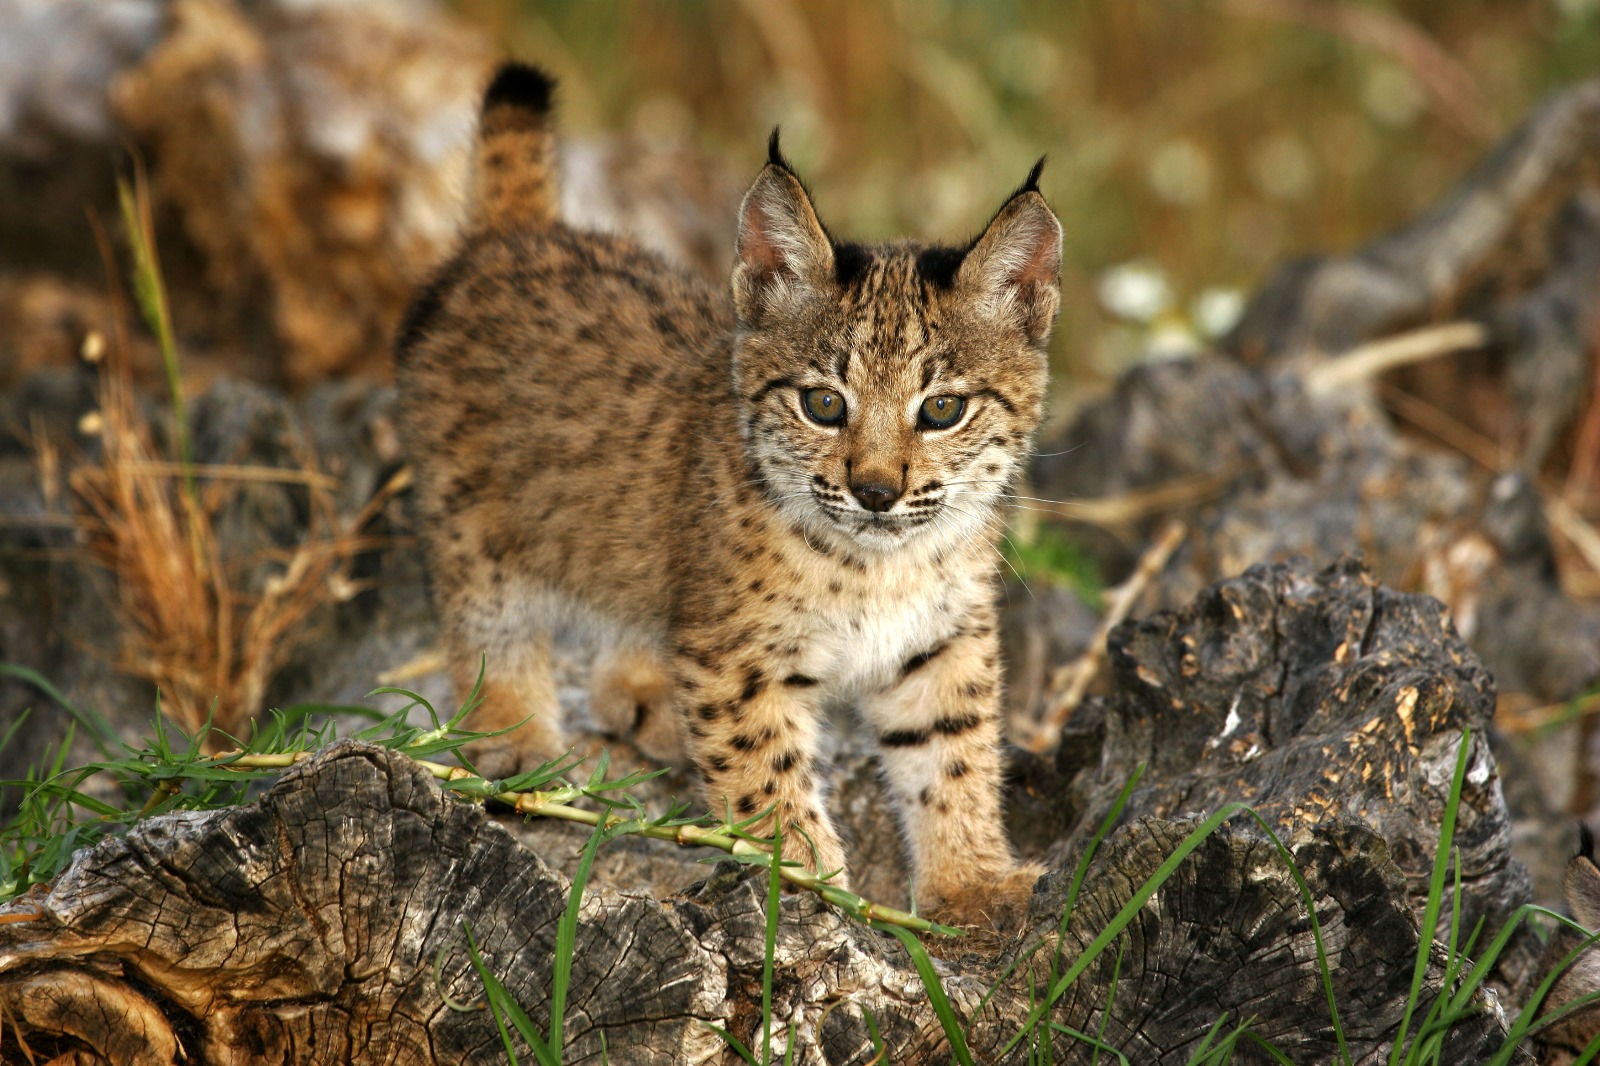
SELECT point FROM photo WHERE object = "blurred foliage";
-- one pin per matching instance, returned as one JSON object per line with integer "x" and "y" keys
{"x": 1038, "y": 551}
{"x": 1206, "y": 140}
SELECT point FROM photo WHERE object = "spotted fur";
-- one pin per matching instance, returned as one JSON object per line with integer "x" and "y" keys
{"x": 604, "y": 440}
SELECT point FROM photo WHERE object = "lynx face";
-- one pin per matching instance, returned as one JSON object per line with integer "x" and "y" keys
{"x": 888, "y": 393}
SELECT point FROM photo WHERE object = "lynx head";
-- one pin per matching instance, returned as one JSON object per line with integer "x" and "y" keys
{"x": 889, "y": 392}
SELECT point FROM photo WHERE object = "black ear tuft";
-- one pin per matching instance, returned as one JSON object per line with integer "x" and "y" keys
{"x": 1031, "y": 183}
{"x": 775, "y": 153}
{"x": 1585, "y": 842}
{"x": 520, "y": 85}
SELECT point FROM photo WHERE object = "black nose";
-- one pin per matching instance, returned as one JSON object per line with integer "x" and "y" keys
{"x": 875, "y": 497}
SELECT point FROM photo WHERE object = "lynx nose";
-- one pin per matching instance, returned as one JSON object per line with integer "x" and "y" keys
{"x": 875, "y": 497}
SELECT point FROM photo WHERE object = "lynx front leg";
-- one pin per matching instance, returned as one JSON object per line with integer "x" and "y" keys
{"x": 753, "y": 737}
{"x": 938, "y": 727}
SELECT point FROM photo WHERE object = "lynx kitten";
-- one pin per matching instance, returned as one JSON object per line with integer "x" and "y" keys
{"x": 760, "y": 506}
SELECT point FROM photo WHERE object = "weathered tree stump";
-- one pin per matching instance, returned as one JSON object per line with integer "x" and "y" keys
{"x": 307, "y": 926}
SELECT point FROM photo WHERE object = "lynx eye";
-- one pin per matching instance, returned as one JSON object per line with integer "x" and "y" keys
{"x": 823, "y": 406}
{"x": 941, "y": 412}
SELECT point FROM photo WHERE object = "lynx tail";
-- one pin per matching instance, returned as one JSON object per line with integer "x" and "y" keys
{"x": 514, "y": 170}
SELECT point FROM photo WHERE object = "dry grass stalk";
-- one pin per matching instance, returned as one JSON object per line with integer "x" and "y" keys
{"x": 1448, "y": 430}
{"x": 232, "y": 472}
{"x": 431, "y": 660}
{"x": 1070, "y": 683}
{"x": 1563, "y": 518}
{"x": 208, "y": 647}
{"x": 1581, "y": 534}
{"x": 1120, "y": 513}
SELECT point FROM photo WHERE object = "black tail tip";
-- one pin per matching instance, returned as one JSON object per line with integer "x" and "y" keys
{"x": 520, "y": 85}
{"x": 1585, "y": 842}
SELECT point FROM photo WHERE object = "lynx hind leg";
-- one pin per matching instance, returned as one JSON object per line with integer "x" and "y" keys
{"x": 630, "y": 694}
{"x": 518, "y": 693}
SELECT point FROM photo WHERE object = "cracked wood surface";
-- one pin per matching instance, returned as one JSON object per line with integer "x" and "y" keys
{"x": 306, "y": 926}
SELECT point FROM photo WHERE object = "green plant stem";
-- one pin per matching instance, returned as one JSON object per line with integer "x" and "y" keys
{"x": 150, "y": 293}
{"x": 556, "y": 803}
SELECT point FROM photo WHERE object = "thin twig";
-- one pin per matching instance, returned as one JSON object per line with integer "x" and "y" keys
{"x": 555, "y": 803}
{"x": 1586, "y": 454}
{"x": 1072, "y": 680}
{"x": 1128, "y": 508}
{"x": 235, "y": 472}
{"x": 1402, "y": 349}
{"x": 1448, "y": 429}
{"x": 1583, "y": 536}
{"x": 431, "y": 660}
{"x": 1561, "y": 515}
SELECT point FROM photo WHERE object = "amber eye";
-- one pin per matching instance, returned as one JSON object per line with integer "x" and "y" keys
{"x": 823, "y": 405}
{"x": 941, "y": 412}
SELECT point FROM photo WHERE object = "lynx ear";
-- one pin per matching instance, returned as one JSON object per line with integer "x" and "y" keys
{"x": 783, "y": 248}
{"x": 1013, "y": 271}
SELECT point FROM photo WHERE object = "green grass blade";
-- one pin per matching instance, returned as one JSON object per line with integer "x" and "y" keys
{"x": 1120, "y": 921}
{"x": 1098, "y": 1044}
{"x": 1201, "y": 1053}
{"x": 1078, "y": 875}
{"x": 567, "y": 938}
{"x": 935, "y": 988}
{"x": 1111, "y": 998}
{"x": 770, "y": 947}
{"x": 1430, "y": 914}
{"x": 879, "y": 1049}
{"x": 734, "y": 1042}
{"x": 503, "y": 1008}
{"x": 1324, "y": 970}
{"x": 105, "y": 738}
{"x": 1590, "y": 1050}
{"x": 1269, "y": 1047}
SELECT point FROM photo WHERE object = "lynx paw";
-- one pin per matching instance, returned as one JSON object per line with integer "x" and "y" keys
{"x": 525, "y": 748}
{"x": 998, "y": 901}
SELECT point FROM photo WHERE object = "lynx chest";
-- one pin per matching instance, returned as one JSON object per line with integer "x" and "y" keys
{"x": 862, "y": 640}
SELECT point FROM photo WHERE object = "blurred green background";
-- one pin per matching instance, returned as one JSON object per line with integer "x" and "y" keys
{"x": 1192, "y": 145}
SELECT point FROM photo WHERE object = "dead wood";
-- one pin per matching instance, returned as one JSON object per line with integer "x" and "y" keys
{"x": 306, "y": 927}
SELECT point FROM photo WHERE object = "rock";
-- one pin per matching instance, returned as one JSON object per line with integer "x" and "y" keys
{"x": 1281, "y": 468}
